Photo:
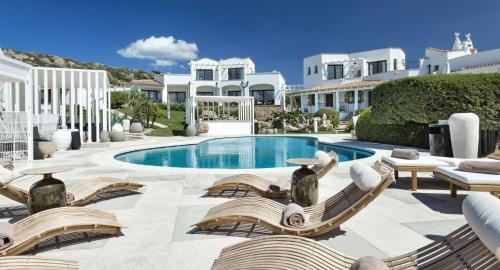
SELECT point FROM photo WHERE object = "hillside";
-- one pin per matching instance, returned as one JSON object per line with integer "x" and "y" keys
{"x": 117, "y": 76}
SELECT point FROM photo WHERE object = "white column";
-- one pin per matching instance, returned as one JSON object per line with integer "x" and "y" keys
{"x": 45, "y": 92}
{"x": 104, "y": 102}
{"x": 72, "y": 99}
{"x": 36, "y": 90}
{"x": 337, "y": 101}
{"x": 291, "y": 103}
{"x": 97, "y": 96}
{"x": 80, "y": 106}
{"x": 356, "y": 98}
{"x": 302, "y": 104}
{"x": 89, "y": 108}
{"x": 17, "y": 96}
{"x": 63, "y": 97}
{"x": 316, "y": 102}
{"x": 164, "y": 94}
{"x": 109, "y": 110}
{"x": 54, "y": 91}
{"x": 28, "y": 101}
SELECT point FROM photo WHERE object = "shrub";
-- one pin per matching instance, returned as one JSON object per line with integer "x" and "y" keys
{"x": 177, "y": 107}
{"x": 402, "y": 109}
{"x": 118, "y": 99}
{"x": 331, "y": 114}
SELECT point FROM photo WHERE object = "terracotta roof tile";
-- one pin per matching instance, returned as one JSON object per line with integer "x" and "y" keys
{"x": 147, "y": 82}
{"x": 340, "y": 86}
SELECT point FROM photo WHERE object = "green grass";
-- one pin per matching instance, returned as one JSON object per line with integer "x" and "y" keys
{"x": 175, "y": 124}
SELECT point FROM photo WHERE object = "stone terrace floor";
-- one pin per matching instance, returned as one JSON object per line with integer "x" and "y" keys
{"x": 158, "y": 233}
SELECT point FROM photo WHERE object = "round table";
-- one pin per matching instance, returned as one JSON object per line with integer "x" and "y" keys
{"x": 48, "y": 192}
{"x": 304, "y": 182}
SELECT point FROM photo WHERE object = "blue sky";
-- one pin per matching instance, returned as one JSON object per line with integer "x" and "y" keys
{"x": 275, "y": 34}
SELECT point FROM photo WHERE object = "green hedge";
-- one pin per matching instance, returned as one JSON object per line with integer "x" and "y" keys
{"x": 331, "y": 114}
{"x": 402, "y": 109}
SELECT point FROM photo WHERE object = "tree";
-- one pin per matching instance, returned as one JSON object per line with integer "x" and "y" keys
{"x": 118, "y": 99}
{"x": 136, "y": 101}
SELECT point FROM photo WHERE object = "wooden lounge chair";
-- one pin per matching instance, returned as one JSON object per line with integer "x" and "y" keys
{"x": 35, "y": 263}
{"x": 82, "y": 191}
{"x": 261, "y": 185}
{"x": 469, "y": 180}
{"x": 324, "y": 216}
{"x": 44, "y": 225}
{"x": 461, "y": 249}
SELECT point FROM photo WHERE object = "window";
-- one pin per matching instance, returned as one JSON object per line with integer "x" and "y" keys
{"x": 395, "y": 64}
{"x": 152, "y": 94}
{"x": 205, "y": 94}
{"x": 263, "y": 97}
{"x": 349, "y": 97}
{"x": 312, "y": 100}
{"x": 177, "y": 97}
{"x": 436, "y": 68}
{"x": 234, "y": 93}
{"x": 329, "y": 100}
{"x": 335, "y": 72}
{"x": 361, "y": 97}
{"x": 308, "y": 70}
{"x": 377, "y": 67}
{"x": 235, "y": 73}
{"x": 204, "y": 74}
{"x": 315, "y": 69}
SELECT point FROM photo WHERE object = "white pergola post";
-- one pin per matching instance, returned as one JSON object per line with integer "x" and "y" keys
{"x": 45, "y": 92}
{"x": 36, "y": 91}
{"x": 356, "y": 98}
{"x": 97, "y": 111}
{"x": 28, "y": 101}
{"x": 89, "y": 108}
{"x": 291, "y": 103}
{"x": 63, "y": 97}
{"x": 316, "y": 102}
{"x": 72, "y": 99}
{"x": 54, "y": 91}
{"x": 337, "y": 101}
{"x": 104, "y": 102}
{"x": 109, "y": 110}
{"x": 80, "y": 106}
{"x": 17, "y": 96}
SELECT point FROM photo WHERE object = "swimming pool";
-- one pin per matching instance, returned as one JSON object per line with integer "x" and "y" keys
{"x": 239, "y": 153}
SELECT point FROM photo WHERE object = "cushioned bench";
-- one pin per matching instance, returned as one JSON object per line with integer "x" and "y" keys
{"x": 469, "y": 180}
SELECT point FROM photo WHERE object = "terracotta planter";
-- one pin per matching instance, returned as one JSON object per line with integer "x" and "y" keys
{"x": 136, "y": 128}
{"x": 62, "y": 139}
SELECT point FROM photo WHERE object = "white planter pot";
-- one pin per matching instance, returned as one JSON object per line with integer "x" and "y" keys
{"x": 464, "y": 133}
{"x": 117, "y": 127}
{"x": 62, "y": 139}
{"x": 126, "y": 124}
{"x": 355, "y": 120}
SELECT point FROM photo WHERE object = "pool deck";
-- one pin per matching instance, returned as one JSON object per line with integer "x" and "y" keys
{"x": 158, "y": 233}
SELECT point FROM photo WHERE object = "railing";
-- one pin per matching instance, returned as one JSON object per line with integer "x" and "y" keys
{"x": 213, "y": 108}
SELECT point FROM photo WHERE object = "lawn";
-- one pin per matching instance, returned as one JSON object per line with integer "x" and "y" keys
{"x": 175, "y": 125}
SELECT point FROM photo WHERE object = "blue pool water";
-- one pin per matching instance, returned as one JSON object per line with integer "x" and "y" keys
{"x": 239, "y": 153}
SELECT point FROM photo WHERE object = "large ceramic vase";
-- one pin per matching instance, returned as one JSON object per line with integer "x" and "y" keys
{"x": 75, "y": 139}
{"x": 117, "y": 136}
{"x": 126, "y": 124}
{"x": 45, "y": 194}
{"x": 136, "y": 128}
{"x": 191, "y": 130}
{"x": 304, "y": 187}
{"x": 464, "y": 133}
{"x": 62, "y": 139}
{"x": 117, "y": 127}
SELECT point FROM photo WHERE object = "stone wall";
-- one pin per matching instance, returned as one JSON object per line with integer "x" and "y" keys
{"x": 262, "y": 112}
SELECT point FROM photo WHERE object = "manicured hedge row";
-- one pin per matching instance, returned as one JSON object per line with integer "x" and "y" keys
{"x": 402, "y": 109}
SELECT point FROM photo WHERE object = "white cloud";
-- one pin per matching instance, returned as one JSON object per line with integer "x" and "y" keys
{"x": 164, "y": 51}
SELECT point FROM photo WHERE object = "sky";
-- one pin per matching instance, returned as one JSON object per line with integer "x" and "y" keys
{"x": 276, "y": 35}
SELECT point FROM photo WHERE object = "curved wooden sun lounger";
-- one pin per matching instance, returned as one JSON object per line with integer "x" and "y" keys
{"x": 36, "y": 263}
{"x": 324, "y": 216}
{"x": 44, "y": 225}
{"x": 82, "y": 191}
{"x": 260, "y": 185}
{"x": 461, "y": 249}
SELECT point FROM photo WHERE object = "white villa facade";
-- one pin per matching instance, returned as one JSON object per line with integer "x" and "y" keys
{"x": 344, "y": 81}
{"x": 226, "y": 77}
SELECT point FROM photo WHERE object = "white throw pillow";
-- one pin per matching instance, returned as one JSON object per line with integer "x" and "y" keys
{"x": 364, "y": 176}
{"x": 323, "y": 157}
{"x": 482, "y": 212}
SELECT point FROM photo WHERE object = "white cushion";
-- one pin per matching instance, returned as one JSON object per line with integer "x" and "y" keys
{"x": 481, "y": 210}
{"x": 364, "y": 176}
{"x": 323, "y": 157}
{"x": 421, "y": 162}
{"x": 470, "y": 177}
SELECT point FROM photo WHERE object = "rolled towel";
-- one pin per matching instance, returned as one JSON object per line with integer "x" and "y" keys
{"x": 70, "y": 197}
{"x": 405, "y": 154}
{"x": 274, "y": 188}
{"x": 6, "y": 235}
{"x": 369, "y": 263}
{"x": 477, "y": 166}
{"x": 495, "y": 155}
{"x": 294, "y": 216}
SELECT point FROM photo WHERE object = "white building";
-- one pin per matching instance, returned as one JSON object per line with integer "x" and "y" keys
{"x": 344, "y": 81}
{"x": 226, "y": 77}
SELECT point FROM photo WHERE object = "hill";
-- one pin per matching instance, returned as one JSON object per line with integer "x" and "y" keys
{"x": 117, "y": 76}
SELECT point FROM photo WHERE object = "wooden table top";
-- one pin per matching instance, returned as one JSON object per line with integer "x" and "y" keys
{"x": 304, "y": 161}
{"x": 46, "y": 170}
